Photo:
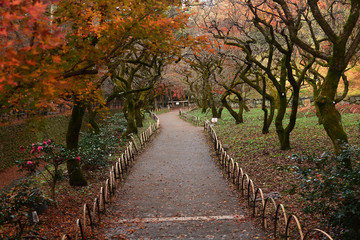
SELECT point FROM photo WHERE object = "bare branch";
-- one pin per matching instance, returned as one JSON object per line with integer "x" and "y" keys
{"x": 322, "y": 22}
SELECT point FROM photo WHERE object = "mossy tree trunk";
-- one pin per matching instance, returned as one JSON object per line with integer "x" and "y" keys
{"x": 238, "y": 116}
{"x": 156, "y": 103}
{"x": 315, "y": 96}
{"x": 287, "y": 75}
{"x": 142, "y": 102}
{"x": 131, "y": 124}
{"x": 76, "y": 177}
{"x": 283, "y": 136}
{"x": 331, "y": 118}
{"x": 92, "y": 120}
{"x": 344, "y": 38}
{"x": 139, "y": 116}
{"x": 268, "y": 118}
{"x": 204, "y": 98}
{"x": 216, "y": 113}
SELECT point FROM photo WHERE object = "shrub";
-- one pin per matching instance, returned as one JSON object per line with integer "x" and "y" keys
{"x": 95, "y": 148}
{"x": 16, "y": 206}
{"x": 330, "y": 189}
{"x": 52, "y": 155}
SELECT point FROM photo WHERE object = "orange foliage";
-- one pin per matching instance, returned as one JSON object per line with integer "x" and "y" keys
{"x": 27, "y": 69}
{"x": 37, "y": 49}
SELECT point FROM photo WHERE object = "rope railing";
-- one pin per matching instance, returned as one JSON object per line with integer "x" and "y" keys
{"x": 272, "y": 214}
{"x": 117, "y": 173}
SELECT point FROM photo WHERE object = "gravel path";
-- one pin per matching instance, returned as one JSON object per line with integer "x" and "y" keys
{"x": 175, "y": 191}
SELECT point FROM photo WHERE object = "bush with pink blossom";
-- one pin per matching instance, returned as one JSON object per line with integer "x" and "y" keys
{"x": 50, "y": 156}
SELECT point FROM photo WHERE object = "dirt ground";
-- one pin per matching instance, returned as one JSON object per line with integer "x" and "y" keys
{"x": 175, "y": 191}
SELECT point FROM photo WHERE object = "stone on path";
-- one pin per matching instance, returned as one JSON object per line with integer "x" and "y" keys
{"x": 175, "y": 191}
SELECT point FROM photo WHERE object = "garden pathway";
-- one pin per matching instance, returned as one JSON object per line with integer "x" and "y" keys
{"x": 175, "y": 191}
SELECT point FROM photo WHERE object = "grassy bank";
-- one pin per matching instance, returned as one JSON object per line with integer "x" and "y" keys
{"x": 271, "y": 168}
{"x": 24, "y": 133}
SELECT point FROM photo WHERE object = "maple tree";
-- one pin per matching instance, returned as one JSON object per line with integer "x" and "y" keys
{"x": 139, "y": 68}
{"x": 130, "y": 79}
{"x": 102, "y": 37}
{"x": 172, "y": 88}
{"x": 267, "y": 54}
{"x": 28, "y": 56}
{"x": 335, "y": 43}
{"x": 206, "y": 62}
{"x": 325, "y": 32}
{"x": 235, "y": 91}
{"x": 225, "y": 81}
{"x": 67, "y": 49}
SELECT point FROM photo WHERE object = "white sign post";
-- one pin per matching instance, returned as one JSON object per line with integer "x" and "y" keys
{"x": 35, "y": 217}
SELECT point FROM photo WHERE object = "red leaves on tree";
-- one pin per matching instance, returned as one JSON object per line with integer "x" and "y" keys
{"x": 26, "y": 66}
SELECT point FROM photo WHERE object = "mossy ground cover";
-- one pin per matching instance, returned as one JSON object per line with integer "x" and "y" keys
{"x": 38, "y": 129}
{"x": 269, "y": 167}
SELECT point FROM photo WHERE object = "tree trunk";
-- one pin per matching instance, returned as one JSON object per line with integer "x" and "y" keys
{"x": 240, "y": 114}
{"x": 204, "y": 102}
{"x": 286, "y": 73}
{"x": 171, "y": 98}
{"x": 212, "y": 106}
{"x": 92, "y": 120}
{"x": 219, "y": 112}
{"x": 330, "y": 116}
{"x": 266, "y": 122}
{"x": 237, "y": 116}
{"x": 52, "y": 190}
{"x": 214, "y": 111}
{"x": 139, "y": 117}
{"x": 156, "y": 104}
{"x": 284, "y": 139}
{"x": 76, "y": 177}
{"x": 282, "y": 135}
{"x": 131, "y": 125}
{"x": 265, "y": 129}
{"x": 293, "y": 113}
{"x": 315, "y": 96}
{"x": 269, "y": 118}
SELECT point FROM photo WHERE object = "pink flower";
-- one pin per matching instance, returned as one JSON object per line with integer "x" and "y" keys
{"x": 29, "y": 162}
{"x": 59, "y": 159}
{"x": 22, "y": 148}
{"x": 78, "y": 158}
{"x": 32, "y": 151}
{"x": 48, "y": 141}
{"x": 44, "y": 142}
{"x": 39, "y": 148}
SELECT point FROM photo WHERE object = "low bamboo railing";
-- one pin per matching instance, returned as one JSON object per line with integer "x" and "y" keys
{"x": 92, "y": 214}
{"x": 273, "y": 215}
